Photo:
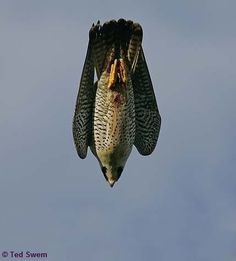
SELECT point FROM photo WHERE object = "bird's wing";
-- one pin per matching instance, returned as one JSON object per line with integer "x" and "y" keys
{"x": 82, "y": 123}
{"x": 102, "y": 38}
{"x": 148, "y": 119}
{"x": 98, "y": 47}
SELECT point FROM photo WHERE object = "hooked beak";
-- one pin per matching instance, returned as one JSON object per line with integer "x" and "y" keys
{"x": 111, "y": 183}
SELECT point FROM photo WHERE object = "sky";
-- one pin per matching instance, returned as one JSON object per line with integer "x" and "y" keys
{"x": 176, "y": 204}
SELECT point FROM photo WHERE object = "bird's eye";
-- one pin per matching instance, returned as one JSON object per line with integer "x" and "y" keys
{"x": 119, "y": 171}
{"x": 104, "y": 170}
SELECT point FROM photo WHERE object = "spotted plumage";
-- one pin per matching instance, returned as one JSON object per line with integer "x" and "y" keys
{"x": 119, "y": 110}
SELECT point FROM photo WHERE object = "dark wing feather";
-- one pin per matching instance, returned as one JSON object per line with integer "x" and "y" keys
{"x": 82, "y": 123}
{"x": 148, "y": 119}
{"x": 98, "y": 47}
{"x": 102, "y": 38}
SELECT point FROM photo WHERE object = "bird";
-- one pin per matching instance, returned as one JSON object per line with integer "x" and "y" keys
{"x": 119, "y": 109}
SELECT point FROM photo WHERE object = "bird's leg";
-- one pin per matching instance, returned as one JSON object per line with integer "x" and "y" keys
{"x": 122, "y": 71}
{"x": 113, "y": 74}
{"x": 117, "y": 69}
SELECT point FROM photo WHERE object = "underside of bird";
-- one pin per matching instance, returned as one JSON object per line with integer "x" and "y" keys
{"x": 118, "y": 110}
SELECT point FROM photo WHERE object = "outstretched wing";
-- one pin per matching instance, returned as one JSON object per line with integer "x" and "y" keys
{"x": 82, "y": 123}
{"x": 148, "y": 119}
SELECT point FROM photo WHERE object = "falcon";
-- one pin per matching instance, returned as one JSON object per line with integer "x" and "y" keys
{"x": 119, "y": 109}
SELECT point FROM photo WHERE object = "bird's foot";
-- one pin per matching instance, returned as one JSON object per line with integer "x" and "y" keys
{"x": 117, "y": 69}
{"x": 113, "y": 74}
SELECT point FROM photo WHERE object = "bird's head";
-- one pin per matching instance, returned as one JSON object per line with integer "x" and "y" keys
{"x": 111, "y": 173}
{"x": 112, "y": 165}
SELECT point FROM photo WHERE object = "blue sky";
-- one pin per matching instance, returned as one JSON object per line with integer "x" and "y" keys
{"x": 178, "y": 203}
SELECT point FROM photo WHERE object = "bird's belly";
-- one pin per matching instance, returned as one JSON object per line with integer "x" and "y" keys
{"x": 114, "y": 121}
